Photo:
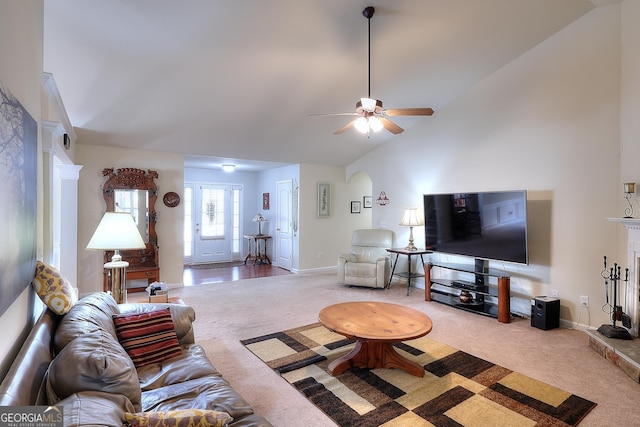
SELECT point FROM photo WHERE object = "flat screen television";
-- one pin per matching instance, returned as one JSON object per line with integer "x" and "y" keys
{"x": 485, "y": 225}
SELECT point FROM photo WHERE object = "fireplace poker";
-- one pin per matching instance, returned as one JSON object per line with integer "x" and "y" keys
{"x": 615, "y": 277}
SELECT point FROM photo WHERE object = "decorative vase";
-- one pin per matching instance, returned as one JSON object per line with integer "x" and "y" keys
{"x": 466, "y": 297}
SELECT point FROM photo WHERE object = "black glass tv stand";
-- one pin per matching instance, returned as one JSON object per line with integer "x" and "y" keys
{"x": 480, "y": 294}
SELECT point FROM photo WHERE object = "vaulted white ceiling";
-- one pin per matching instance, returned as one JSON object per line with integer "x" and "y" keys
{"x": 239, "y": 79}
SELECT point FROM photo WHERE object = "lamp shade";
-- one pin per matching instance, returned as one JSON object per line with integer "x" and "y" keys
{"x": 629, "y": 187}
{"x": 411, "y": 218}
{"x": 375, "y": 124}
{"x": 258, "y": 218}
{"x": 361, "y": 124}
{"x": 116, "y": 231}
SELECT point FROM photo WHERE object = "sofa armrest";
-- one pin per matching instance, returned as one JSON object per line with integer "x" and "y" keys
{"x": 342, "y": 258}
{"x": 183, "y": 317}
{"x": 80, "y": 409}
{"x": 23, "y": 385}
{"x": 383, "y": 265}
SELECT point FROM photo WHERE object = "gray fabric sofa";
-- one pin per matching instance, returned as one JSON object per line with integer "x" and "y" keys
{"x": 76, "y": 361}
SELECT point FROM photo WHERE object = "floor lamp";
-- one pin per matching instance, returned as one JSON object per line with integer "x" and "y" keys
{"x": 117, "y": 231}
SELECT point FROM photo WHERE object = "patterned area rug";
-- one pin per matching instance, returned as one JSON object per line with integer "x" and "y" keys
{"x": 457, "y": 389}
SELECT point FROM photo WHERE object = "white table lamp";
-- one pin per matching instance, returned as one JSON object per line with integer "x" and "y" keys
{"x": 259, "y": 219}
{"x": 411, "y": 219}
{"x": 117, "y": 231}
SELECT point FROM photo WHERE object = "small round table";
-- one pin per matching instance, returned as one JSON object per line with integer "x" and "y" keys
{"x": 375, "y": 326}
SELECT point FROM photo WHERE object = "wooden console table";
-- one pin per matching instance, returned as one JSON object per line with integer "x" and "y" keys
{"x": 375, "y": 326}
{"x": 256, "y": 254}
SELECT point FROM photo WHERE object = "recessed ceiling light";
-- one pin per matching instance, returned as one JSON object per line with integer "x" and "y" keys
{"x": 228, "y": 168}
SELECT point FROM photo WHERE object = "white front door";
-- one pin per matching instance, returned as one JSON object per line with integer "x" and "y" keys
{"x": 212, "y": 223}
{"x": 284, "y": 225}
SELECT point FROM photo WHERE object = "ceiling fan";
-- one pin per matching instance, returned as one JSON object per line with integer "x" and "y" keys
{"x": 373, "y": 117}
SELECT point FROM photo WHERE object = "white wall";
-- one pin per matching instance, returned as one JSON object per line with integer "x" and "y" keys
{"x": 359, "y": 186}
{"x": 547, "y": 123}
{"x": 170, "y": 168}
{"x": 629, "y": 108}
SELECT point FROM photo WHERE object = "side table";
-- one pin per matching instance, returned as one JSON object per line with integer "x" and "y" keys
{"x": 408, "y": 274}
{"x": 258, "y": 256}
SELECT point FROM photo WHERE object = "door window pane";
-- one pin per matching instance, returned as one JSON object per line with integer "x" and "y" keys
{"x": 212, "y": 213}
{"x": 188, "y": 222}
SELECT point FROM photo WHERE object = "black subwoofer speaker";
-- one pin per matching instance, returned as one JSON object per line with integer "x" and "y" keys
{"x": 545, "y": 312}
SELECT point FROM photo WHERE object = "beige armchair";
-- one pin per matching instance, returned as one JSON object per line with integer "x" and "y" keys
{"x": 367, "y": 263}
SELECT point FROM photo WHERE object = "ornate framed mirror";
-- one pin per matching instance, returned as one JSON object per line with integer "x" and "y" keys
{"x": 135, "y": 191}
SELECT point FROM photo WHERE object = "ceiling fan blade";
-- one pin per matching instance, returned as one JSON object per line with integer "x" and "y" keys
{"x": 345, "y": 127}
{"x": 390, "y": 126}
{"x": 408, "y": 112}
{"x": 334, "y": 114}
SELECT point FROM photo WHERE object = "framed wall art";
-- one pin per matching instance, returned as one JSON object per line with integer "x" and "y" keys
{"x": 324, "y": 200}
{"x": 265, "y": 201}
{"x": 367, "y": 202}
{"x": 18, "y": 187}
{"x": 355, "y": 207}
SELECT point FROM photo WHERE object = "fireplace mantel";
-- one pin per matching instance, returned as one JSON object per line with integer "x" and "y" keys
{"x": 629, "y": 223}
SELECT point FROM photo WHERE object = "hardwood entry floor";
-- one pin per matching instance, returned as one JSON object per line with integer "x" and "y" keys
{"x": 196, "y": 276}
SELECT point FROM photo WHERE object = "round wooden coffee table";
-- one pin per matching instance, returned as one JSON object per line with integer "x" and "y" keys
{"x": 375, "y": 326}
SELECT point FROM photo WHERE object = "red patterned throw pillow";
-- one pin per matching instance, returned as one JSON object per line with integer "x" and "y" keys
{"x": 147, "y": 337}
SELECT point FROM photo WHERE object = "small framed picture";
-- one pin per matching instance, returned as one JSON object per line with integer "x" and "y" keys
{"x": 324, "y": 200}
{"x": 367, "y": 202}
{"x": 265, "y": 201}
{"x": 355, "y": 207}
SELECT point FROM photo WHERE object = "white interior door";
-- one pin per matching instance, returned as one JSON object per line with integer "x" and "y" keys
{"x": 284, "y": 225}
{"x": 212, "y": 223}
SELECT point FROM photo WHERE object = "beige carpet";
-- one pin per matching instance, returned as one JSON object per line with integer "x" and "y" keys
{"x": 456, "y": 389}
{"x": 231, "y": 311}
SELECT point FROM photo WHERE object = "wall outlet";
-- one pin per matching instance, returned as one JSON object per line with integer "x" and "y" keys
{"x": 584, "y": 301}
{"x": 555, "y": 293}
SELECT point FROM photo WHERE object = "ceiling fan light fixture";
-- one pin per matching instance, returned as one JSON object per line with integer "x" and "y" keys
{"x": 375, "y": 124}
{"x": 378, "y": 108}
{"x": 361, "y": 124}
{"x": 368, "y": 104}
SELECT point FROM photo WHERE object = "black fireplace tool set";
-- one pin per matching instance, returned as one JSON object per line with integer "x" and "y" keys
{"x": 614, "y": 277}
